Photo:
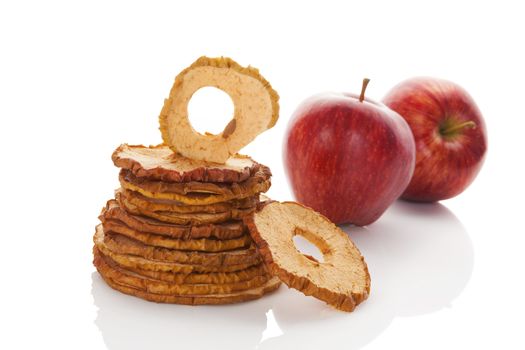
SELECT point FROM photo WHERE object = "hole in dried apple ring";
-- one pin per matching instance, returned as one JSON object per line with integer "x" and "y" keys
{"x": 306, "y": 247}
{"x": 209, "y": 110}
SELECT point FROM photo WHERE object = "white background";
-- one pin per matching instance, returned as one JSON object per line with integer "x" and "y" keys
{"x": 77, "y": 79}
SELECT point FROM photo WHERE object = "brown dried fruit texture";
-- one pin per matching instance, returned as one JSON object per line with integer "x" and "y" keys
{"x": 210, "y": 277}
{"x": 152, "y": 204}
{"x": 213, "y": 299}
{"x": 193, "y": 193}
{"x": 234, "y": 189}
{"x": 184, "y": 219}
{"x": 341, "y": 280}
{"x": 161, "y": 163}
{"x": 256, "y": 109}
{"x": 195, "y": 198}
{"x": 263, "y": 201}
{"x": 202, "y": 244}
{"x": 136, "y": 262}
{"x": 225, "y": 230}
{"x": 124, "y": 245}
{"x": 118, "y": 274}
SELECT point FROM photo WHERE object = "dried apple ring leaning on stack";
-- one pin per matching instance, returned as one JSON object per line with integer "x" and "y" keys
{"x": 341, "y": 280}
{"x": 256, "y": 109}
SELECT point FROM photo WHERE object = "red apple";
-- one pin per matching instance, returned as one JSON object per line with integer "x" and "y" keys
{"x": 348, "y": 157}
{"x": 449, "y": 132}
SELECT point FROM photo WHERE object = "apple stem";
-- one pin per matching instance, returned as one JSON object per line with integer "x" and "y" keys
{"x": 453, "y": 129}
{"x": 363, "y": 89}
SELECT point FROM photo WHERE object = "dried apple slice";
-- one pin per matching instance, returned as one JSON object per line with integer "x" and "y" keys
{"x": 256, "y": 109}
{"x": 259, "y": 182}
{"x": 153, "y": 204}
{"x": 130, "y": 261}
{"x": 108, "y": 268}
{"x": 227, "y": 230}
{"x": 202, "y": 244}
{"x": 210, "y": 299}
{"x": 341, "y": 280}
{"x": 161, "y": 163}
{"x": 262, "y": 174}
{"x": 204, "y": 277}
{"x": 123, "y": 245}
{"x": 183, "y": 218}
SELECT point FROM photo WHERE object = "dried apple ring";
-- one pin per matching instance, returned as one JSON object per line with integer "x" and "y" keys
{"x": 341, "y": 279}
{"x": 256, "y": 109}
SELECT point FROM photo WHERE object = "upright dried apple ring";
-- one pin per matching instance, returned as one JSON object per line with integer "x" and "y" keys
{"x": 256, "y": 109}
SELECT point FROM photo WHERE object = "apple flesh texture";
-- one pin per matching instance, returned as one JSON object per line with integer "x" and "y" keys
{"x": 446, "y": 162}
{"x": 348, "y": 160}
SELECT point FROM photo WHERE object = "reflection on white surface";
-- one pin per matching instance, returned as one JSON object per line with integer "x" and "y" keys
{"x": 130, "y": 323}
{"x": 272, "y": 328}
{"x": 420, "y": 258}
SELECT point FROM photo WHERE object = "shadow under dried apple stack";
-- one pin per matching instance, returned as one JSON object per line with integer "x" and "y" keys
{"x": 189, "y": 224}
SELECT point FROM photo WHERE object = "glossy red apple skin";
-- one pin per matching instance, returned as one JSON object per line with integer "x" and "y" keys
{"x": 445, "y": 165}
{"x": 348, "y": 160}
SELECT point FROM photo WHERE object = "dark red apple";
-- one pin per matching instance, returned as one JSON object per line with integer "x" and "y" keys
{"x": 450, "y": 136}
{"x": 348, "y": 157}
